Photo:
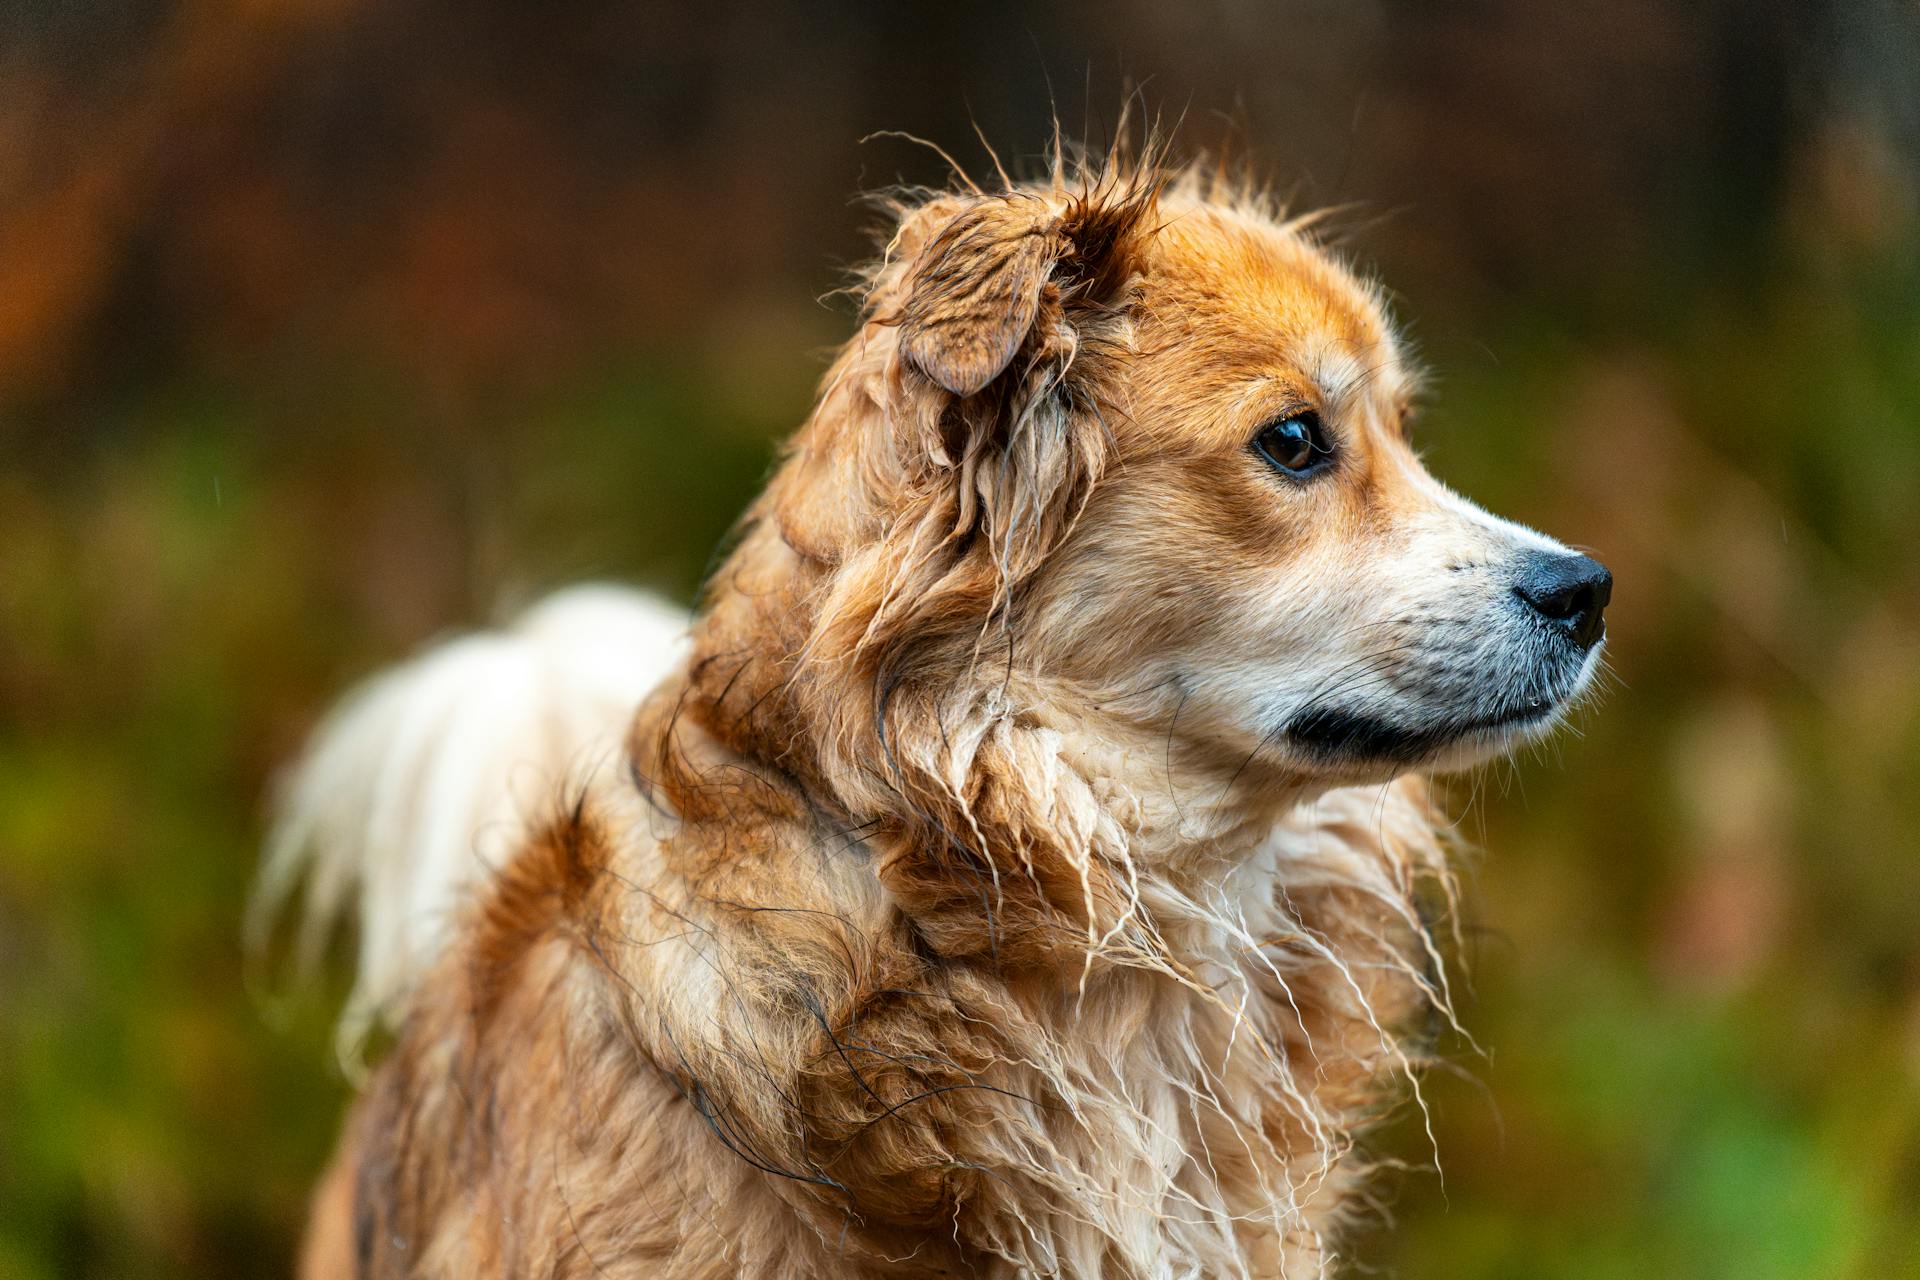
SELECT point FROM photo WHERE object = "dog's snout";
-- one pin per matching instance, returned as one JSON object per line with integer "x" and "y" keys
{"x": 1568, "y": 590}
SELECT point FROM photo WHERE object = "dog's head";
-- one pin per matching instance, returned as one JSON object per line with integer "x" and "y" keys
{"x": 1265, "y": 564}
{"x": 1150, "y": 443}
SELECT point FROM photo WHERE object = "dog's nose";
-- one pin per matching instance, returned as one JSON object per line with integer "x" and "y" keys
{"x": 1568, "y": 590}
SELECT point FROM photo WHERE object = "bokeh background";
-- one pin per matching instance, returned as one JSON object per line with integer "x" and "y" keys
{"x": 329, "y": 325}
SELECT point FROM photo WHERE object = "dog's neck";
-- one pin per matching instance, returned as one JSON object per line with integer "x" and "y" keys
{"x": 999, "y": 771}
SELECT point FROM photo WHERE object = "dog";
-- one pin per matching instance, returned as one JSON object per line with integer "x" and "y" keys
{"x": 1021, "y": 864}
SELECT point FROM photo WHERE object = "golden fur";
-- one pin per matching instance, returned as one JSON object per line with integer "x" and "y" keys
{"x": 957, "y": 906}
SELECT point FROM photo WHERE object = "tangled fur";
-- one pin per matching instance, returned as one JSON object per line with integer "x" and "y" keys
{"x": 949, "y": 909}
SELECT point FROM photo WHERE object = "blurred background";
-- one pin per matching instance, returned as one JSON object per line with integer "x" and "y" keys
{"x": 329, "y": 325}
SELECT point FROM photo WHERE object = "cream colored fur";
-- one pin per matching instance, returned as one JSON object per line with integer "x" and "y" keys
{"x": 427, "y": 776}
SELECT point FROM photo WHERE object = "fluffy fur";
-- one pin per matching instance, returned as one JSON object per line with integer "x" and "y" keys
{"x": 997, "y": 883}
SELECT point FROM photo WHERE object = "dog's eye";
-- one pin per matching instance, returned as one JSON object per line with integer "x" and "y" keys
{"x": 1294, "y": 444}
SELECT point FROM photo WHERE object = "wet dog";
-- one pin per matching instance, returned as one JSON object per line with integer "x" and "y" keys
{"x": 1020, "y": 864}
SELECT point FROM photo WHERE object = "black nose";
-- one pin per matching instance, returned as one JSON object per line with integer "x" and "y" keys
{"x": 1568, "y": 590}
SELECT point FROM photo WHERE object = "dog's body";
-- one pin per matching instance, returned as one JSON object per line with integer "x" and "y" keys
{"x": 1019, "y": 871}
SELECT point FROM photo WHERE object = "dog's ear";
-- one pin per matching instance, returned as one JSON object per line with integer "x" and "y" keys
{"x": 976, "y": 289}
{"x": 977, "y": 438}
{"x": 978, "y": 327}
